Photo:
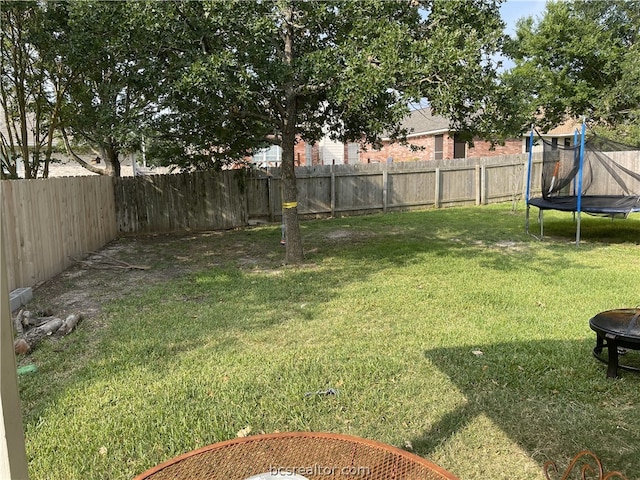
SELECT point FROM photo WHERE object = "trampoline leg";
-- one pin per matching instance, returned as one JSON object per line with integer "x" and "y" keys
{"x": 526, "y": 220}
{"x": 541, "y": 222}
{"x": 578, "y": 231}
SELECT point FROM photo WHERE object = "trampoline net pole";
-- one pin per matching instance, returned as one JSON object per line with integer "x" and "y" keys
{"x": 528, "y": 190}
{"x": 580, "y": 170}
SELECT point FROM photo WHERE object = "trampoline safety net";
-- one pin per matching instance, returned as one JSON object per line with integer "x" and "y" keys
{"x": 610, "y": 177}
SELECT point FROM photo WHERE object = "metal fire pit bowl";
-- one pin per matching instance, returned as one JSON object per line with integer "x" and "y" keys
{"x": 615, "y": 330}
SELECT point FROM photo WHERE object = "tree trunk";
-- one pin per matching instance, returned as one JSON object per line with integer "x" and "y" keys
{"x": 111, "y": 158}
{"x": 69, "y": 324}
{"x": 33, "y": 336}
{"x": 293, "y": 237}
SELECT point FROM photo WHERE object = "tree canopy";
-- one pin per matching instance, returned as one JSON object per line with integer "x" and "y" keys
{"x": 80, "y": 70}
{"x": 581, "y": 59}
{"x": 112, "y": 77}
{"x": 243, "y": 75}
{"x": 217, "y": 80}
{"x": 353, "y": 67}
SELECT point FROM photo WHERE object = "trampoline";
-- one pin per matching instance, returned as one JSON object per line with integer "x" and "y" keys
{"x": 593, "y": 175}
{"x": 607, "y": 205}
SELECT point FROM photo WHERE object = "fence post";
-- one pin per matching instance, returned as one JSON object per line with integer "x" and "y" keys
{"x": 333, "y": 189}
{"x": 385, "y": 186}
{"x": 483, "y": 184}
{"x": 13, "y": 457}
{"x": 437, "y": 189}
{"x": 270, "y": 207}
{"x": 478, "y": 185}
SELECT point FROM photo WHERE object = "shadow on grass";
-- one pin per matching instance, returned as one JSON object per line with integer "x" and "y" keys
{"x": 220, "y": 313}
{"x": 593, "y": 229}
{"x": 541, "y": 395}
{"x": 211, "y": 308}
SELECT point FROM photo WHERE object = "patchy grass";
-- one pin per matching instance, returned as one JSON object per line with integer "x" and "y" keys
{"x": 450, "y": 332}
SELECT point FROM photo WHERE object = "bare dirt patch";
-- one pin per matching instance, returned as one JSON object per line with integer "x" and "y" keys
{"x": 102, "y": 276}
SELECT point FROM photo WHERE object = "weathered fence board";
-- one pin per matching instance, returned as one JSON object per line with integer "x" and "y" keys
{"x": 314, "y": 189}
{"x": 259, "y": 200}
{"x": 183, "y": 202}
{"x": 46, "y": 223}
{"x": 411, "y": 188}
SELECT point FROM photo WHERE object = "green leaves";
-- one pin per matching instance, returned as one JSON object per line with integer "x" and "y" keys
{"x": 581, "y": 59}
{"x": 29, "y": 97}
{"x": 354, "y": 67}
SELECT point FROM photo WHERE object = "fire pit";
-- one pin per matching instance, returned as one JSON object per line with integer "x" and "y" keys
{"x": 616, "y": 329}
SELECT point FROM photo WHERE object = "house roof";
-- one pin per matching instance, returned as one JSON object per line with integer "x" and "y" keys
{"x": 422, "y": 121}
{"x": 568, "y": 127}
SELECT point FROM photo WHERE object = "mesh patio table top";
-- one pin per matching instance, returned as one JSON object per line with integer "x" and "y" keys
{"x": 297, "y": 455}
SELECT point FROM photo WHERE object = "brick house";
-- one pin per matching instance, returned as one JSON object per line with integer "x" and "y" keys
{"x": 437, "y": 142}
{"x": 430, "y": 133}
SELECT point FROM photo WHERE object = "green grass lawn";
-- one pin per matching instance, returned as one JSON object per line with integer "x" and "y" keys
{"x": 450, "y": 332}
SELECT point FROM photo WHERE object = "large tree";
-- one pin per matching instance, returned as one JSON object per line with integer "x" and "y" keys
{"x": 30, "y": 96}
{"x": 581, "y": 58}
{"x": 244, "y": 75}
{"x": 105, "y": 50}
{"x": 81, "y": 68}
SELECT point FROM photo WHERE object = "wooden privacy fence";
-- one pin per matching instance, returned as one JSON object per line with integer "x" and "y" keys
{"x": 47, "y": 223}
{"x": 231, "y": 198}
{"x": 367, "y": 188}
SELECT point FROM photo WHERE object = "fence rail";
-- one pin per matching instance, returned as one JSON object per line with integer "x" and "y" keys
{"x": 48, "y": 222}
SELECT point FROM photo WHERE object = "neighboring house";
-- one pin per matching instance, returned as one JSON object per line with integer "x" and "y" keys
{"x": 431, "y": 135}
{"x": 436, "y": 141}
{"x": 561, "y": 135}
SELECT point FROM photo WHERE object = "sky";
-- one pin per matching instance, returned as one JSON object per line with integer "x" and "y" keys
{"x": 512, "y": 10}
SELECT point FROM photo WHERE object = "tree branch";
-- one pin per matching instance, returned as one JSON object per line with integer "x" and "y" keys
{"x": 310, "y": 89}
{"x": 71, "y": 153}
{"x": 248, "y": 114}
{"x": 204, "y": 42}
